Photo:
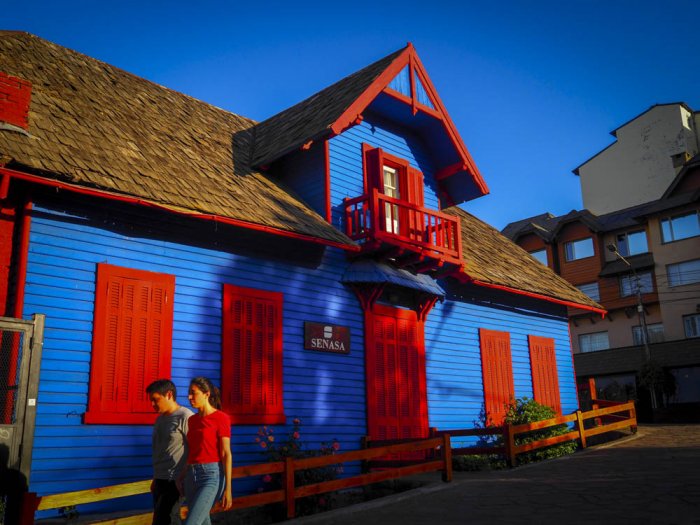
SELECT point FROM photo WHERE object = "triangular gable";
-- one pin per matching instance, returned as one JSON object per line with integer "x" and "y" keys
{"x": 400, "y": 76}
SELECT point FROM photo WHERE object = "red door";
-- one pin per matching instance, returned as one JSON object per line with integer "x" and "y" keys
{"x": 396, "y": 391}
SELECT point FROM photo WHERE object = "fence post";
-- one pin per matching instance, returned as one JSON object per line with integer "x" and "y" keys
{"x": 447, "y": 458}
{"x": 29, "y": 504}
{"x": 289, "y": 486}
{"x": 509, "y": 443}
{"x": 633, "y": 417}
{"x": 581, "y": 429}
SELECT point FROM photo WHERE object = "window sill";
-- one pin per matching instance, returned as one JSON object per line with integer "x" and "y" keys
{"x": 256, "y": 419}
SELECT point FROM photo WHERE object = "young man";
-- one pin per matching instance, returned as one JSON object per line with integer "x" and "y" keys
{"x": 169, "y": 448}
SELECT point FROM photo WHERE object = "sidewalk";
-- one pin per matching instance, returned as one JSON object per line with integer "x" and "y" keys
{"x": 652, "y": 477}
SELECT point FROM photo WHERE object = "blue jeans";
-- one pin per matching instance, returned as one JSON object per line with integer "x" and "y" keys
{"x": 204, "y": 486}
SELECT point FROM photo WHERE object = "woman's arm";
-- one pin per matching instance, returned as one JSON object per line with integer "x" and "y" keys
{"x": 227, "y": 461}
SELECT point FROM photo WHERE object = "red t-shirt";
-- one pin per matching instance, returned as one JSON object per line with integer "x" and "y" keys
{"x": 204, "y": 437}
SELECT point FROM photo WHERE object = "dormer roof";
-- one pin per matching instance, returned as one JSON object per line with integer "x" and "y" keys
{"x": 396, "y": 86}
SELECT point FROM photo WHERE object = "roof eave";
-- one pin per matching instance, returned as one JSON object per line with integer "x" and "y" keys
{"x": 95, "y": 192}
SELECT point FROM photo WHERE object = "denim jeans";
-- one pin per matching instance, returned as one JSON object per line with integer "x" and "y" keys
{"x": 204, "y": 486}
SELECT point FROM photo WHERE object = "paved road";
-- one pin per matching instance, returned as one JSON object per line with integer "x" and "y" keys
{"x": 650, "y": 478}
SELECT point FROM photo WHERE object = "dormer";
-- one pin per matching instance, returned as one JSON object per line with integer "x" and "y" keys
{"x": 379, "y": 157}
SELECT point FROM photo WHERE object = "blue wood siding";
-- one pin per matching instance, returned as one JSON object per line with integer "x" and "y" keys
{"x": 304, "y": 172}
{"x": 402, "y": 82}
{"x": 325, "y": 390}
{"x": 453, "y": 362}
{"x": 346, "y": 161}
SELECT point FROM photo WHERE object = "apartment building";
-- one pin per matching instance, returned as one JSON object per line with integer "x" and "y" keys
{"x": 642, "y": 263}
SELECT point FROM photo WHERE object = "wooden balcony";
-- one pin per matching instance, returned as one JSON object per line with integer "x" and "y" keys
{"x": 411, "y": 235}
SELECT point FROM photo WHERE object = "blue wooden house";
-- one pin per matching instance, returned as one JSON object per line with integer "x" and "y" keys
{"x": 315, "y": 264}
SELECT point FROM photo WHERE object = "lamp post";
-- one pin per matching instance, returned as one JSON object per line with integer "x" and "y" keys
{"x": 642, "y": 317}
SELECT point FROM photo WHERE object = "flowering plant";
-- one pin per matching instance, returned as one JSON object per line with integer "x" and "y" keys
{"x": 292, "y": 446}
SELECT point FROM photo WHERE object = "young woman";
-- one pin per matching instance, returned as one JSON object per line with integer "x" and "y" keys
{"x": 208, "y": 476}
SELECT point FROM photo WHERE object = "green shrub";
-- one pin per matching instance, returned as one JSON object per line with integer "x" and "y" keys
{"x": 525, "y": 410}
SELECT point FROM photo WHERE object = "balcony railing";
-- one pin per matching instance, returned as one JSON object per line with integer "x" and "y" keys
{"x": 378, "y": 218}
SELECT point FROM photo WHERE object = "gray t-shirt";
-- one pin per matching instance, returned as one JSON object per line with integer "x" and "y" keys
{"x": 170, "y": 444}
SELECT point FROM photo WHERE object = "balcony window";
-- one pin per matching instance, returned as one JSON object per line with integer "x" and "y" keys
{"x": 680, "y": 227}
{"x": 591, "y": 290}
{"x": 687, "y": 272}
{"x": 655, "y": 334}
{"x": 691, "y": 323}
{"x": 593, "y": 342}
{"x": 628, "y": 284}
{"x": 632, "y": 243}
{"x": 580, "y": 249}
{"x": 540, "y": 255}
{"x": 390, "y": 181}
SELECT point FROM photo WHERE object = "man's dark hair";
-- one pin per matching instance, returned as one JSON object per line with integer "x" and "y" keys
{"x": 162, "y": 387}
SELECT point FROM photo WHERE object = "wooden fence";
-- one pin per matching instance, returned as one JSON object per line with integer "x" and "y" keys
{"x": 437, "y": 449}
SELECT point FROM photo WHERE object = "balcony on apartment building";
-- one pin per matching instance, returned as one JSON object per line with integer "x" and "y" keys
{"x": 411, "y": 236}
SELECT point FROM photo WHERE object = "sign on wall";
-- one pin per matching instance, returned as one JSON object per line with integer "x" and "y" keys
{"x": 326, "y": 338}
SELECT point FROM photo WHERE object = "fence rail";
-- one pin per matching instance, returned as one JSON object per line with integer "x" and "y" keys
{"x": 438, "y": 447}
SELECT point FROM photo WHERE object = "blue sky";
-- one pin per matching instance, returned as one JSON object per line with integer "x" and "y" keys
{"x": 534, "y": 87}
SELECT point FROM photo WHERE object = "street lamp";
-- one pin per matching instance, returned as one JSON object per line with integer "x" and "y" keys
{"x": 642, "y": 316}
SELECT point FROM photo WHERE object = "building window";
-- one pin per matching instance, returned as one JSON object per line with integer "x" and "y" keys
{"x": 593, "y": 342}
{"x": 655, "y": 333}
{"x": 687, "y": 272}
{"x": 680, "y": 227}
{"x": 687, "y": 384}
{"x": 497, "y": 373}
{"x": 251, "y": 362}
{"x": 591, "y": 290}
{"x": 395, "y": 178}
{"x": 541, "y": 255}
{"x": 579, "y": 249}
{"x": 620, "y": 388}
{"x": 545, "y": 377}
{"x": 628, "y": 284}
{"x": 131, "y": 345}
{"x": 692, "y": 325}
{"x": 632, "y": 243}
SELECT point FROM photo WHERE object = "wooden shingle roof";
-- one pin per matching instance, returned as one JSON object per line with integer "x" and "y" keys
{"x": 93, "y": 125}
{"x": 491, "y": 258}
{"x": 313, "y": 117}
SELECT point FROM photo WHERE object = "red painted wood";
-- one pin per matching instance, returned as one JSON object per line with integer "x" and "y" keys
{"x": 396, "y": 385}
{"x": 142, "y": 202}
{"x": 466, "y": 278}
{"x": 8, "y": 223}
{"x": 251, "y": 365}
{"x": 15, "y": 97}
{"x": 132, "y": 342}
{"x": 545, "y": 378}
{"x": 497, "y": 373}
{"x": 327, "y": 172}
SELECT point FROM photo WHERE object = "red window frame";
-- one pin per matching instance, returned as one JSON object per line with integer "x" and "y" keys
{"x": 252, "y": 389}
{"x": 131, "y": 344}
{"x": 410, "y": 179}
{"x": 545, "y": 378}
{"x": 497, "y": 373}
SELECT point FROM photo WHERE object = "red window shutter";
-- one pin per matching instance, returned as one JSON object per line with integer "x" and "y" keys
{"x": 497, "y": 373}
{"x": 131, "y": 343}
{"x": 373, "y": 168}
{"x": 415, "y": 187}
{"x": 545, "y": 378}
{"x": 252, "y": 387}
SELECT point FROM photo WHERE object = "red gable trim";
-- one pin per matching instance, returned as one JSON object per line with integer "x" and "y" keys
{"x": 410, "y": 57}
{"x": 463, "y": 277}
{"x": 215, "y": 218}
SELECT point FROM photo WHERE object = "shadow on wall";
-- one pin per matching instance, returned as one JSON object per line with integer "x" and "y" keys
{"x": 12, "y": 485}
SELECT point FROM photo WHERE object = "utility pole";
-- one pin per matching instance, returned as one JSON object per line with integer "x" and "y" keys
{"x": 642, "y": 318}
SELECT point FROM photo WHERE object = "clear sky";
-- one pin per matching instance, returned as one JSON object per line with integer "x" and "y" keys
{"x": 533, "y": 87}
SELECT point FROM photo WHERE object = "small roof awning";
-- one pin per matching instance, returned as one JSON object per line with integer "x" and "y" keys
{"x": 369, "y": 271}
{"x": 638, "y": 262}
